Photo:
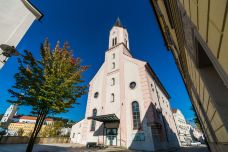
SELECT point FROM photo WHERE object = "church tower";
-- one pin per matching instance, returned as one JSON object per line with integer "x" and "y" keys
{"x": 123, "y": 102}
{"x": 118, "y": 34}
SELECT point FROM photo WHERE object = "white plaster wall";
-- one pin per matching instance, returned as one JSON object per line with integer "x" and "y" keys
{"x": 96, "y": 86}
{"x": 109, "y": 59}
{"x": 76, "y": 132}
{"x": 15, "y": 19}
{"x": 131, "y": 73}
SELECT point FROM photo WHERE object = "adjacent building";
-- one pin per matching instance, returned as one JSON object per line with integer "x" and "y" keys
{"x": 127, "y": 104}
{"x": 9, "y": 114}
{"x": 183, "y": 128}
{"x": 26, "y": 128}
{"x": 30, "y": 119}
{"x": 196, "y": 32}
{"x": 26, "y": 123}
{"x": 15, "y": 19}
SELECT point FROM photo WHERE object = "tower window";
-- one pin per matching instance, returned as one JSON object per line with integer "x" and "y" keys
{"x": 113, "y": 81}
{"x": 113, "y": 41}
{"x": 113, "y": 55}
{"x": 136, "y": 115}
{"x": 112, "y": 97}
{"x": 93, "y": 124}
{"x": 113, "y": 65}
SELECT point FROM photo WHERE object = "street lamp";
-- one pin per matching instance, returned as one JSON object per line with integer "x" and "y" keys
{"x": 8, "y": 51}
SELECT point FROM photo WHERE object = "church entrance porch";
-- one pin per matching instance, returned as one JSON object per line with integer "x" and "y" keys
{"x": 109, "y": 128}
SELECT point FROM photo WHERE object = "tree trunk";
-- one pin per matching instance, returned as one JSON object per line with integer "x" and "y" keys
{"x": 38, "y": 125}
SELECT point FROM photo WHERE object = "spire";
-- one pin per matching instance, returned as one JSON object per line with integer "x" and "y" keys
{"x": 118, "y": 23}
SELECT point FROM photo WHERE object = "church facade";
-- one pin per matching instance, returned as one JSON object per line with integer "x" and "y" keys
{"x": 127, "y": 104}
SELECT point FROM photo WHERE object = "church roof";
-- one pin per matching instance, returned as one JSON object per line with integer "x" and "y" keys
{"x": 118, "y": 23}
{"x": 158, "y": 81}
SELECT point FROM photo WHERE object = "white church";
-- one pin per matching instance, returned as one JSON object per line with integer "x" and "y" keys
{"x": 127, "y": 104}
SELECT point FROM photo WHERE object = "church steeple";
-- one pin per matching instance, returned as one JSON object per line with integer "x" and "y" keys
{"x": 118, "y": 23}
{"x": 118, "y": 35}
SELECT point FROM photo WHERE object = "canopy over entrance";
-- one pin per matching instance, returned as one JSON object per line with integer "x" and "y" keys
{"x": 105, "y": 118}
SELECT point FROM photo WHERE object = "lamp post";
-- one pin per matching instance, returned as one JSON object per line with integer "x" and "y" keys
{"x": 8, "y": 51}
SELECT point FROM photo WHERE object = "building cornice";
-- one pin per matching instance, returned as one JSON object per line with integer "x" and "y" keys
{"x": 32, "y": 9}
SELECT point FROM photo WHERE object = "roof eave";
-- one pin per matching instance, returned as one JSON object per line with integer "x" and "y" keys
{"x": 33, "y": 9}
{"x": 158, "y": 80}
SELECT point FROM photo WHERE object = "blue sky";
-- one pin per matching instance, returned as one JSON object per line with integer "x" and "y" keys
{"x": 86, "y": 25}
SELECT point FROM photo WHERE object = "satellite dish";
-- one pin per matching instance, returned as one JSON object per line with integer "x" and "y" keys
{"x": 9, "y": 51}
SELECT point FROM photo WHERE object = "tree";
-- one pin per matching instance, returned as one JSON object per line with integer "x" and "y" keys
{"x": 20, "y": 132}
{"x": 195, "y": 119}
{"x": 52, "y": 130}
{"x": 50, "y": 85}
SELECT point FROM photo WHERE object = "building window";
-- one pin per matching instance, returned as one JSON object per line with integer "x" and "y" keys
{"x": 113, "y": 81}
{"x": 73, "y": 135}
{"x": 112, "y": 97}
{"x": 113, "y": 42}
{"x": 96, "y": 94}
{"x": 152, "y": 87}
{"x": 93, "y": 124}
{"x": 113, "y": 55}
{"x": 113, "y": 65}
{"x": 132, "y": 85}
{"x": 136, "y": 115}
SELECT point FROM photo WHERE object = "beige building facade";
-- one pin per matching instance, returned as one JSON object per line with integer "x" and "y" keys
{"x": 196, "y": 32}
{"x": 26, "y": 127}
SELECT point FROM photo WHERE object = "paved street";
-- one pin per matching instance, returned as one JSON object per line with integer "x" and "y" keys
{"x": 79, "y": 148}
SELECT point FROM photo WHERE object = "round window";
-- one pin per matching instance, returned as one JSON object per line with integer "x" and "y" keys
{"x": 132, "y": 85}
{"x": 96, "y": 94}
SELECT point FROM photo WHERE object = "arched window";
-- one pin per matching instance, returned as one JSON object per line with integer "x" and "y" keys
{"x": 113, "y": 65}
{"x": 113, "y": 81}
{"x": 93, "y": 124}
{"x": 112, "y": 97}
{"x": 136, "y": 115}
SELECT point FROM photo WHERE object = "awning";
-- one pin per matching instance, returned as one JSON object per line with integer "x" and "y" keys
{"x": 105, "y": 118}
